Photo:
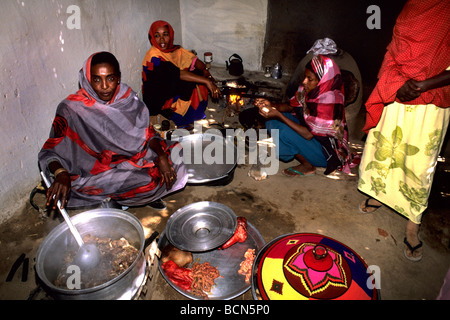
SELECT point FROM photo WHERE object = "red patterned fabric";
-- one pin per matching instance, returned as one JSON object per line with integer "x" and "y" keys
{"x": 324, "y": 112}
{"x": 420, "y": 49}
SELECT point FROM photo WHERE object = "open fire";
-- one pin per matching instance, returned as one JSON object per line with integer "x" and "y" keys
{"x": 235, "y": 100}
{"x": 239, "y": 94}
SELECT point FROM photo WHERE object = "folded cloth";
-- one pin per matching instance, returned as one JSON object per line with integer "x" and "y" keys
{"x": 323, "y": 46}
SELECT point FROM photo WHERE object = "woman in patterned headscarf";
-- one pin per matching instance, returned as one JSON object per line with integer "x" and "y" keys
{"x": 174, "y": 82}
{"x": 102, "y": 146}
{"x": 312, "y": 128}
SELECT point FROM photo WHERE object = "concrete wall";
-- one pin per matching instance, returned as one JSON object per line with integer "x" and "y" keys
{"x": 42, "y": 51}
{"x": 40, "y": 58}
{"x": 224, "y": 27}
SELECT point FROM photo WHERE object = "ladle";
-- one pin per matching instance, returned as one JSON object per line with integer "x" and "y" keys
{"x": 88, "y": 255}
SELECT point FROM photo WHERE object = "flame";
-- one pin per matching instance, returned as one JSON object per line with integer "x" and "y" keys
{"x": 236, "y": 99}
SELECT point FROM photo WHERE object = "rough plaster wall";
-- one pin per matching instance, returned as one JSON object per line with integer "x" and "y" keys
{"x": 39, "y": 63}
{"x": 224, "y": 27}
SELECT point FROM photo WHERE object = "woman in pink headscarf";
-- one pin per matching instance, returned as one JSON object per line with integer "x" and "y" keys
{"x": 312, "y": 128}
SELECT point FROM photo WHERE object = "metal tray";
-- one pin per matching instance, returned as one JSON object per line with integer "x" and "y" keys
{"x": 231, "y": 284}
{"x": 201, "y": 226}
{"x": 217, "y": 160}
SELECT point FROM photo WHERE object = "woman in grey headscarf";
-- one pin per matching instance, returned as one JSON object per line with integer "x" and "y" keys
{"x": 102, "y": 146}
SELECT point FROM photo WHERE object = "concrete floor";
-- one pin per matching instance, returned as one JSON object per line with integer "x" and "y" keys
{"x": 275, "y": 206}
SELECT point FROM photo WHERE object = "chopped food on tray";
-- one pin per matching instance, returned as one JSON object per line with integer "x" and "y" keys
{"x": 246, "y": 265}
{"x": 204, "y": 275}
{"x": 199, "y": 280}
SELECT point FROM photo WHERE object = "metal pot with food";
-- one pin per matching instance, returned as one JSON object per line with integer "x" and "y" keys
{"x": 121, "y": 270}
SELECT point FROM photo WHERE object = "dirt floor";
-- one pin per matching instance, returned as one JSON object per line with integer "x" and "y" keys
{"x": 278, "y": 205}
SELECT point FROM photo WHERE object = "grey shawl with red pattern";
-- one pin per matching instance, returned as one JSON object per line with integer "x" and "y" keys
{"x": 105, "y": 148}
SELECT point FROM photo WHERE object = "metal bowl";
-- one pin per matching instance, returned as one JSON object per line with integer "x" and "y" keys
{"x": 207, "y": 157}
{"x": 201, "y": 226}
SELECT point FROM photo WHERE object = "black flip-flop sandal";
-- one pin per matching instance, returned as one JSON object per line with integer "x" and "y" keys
{"x": 412, "y": 249}
{"x": 369, "y": 206}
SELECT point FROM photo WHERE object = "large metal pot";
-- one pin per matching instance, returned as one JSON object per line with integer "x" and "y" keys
{"x": 102, "y": 222}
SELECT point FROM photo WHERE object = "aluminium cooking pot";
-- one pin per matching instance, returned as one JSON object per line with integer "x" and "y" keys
{"x": 103, "y": 223}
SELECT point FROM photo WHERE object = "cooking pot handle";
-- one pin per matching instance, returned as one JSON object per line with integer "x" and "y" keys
{"x": 150, "y": 239}
{"x": 152, "y": 252}
{"x": 235, "y": 55}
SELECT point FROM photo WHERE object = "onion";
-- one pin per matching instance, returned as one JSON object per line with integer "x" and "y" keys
{"x": 180, "y": 257}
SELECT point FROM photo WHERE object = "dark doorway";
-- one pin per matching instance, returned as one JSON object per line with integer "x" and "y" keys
{"x": 294, "y": 25}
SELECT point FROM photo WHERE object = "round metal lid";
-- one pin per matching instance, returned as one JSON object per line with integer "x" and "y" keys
{"x": 201, "y": 226}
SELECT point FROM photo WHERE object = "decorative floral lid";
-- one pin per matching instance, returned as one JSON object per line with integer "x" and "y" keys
{"x": 310, "y": 266}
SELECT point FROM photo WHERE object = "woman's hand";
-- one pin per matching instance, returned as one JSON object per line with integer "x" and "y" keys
{"x": 211, "y": 85}
{"x": 168, "y": 174}
{"x": 166, "y": 170}
{"x": 410, "y": 90}
{"x": 266, "y": 109}
{"x": 59, "y": 190}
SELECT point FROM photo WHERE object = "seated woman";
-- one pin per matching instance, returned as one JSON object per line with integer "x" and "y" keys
{"x": 174, "y": 82}
{"x": 102, "y": 146}
{"x": 312, "y": 128}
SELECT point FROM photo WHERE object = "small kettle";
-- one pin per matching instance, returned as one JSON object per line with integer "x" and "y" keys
{"x": 234, "y": 66}
{"x": 276, "y": 71}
